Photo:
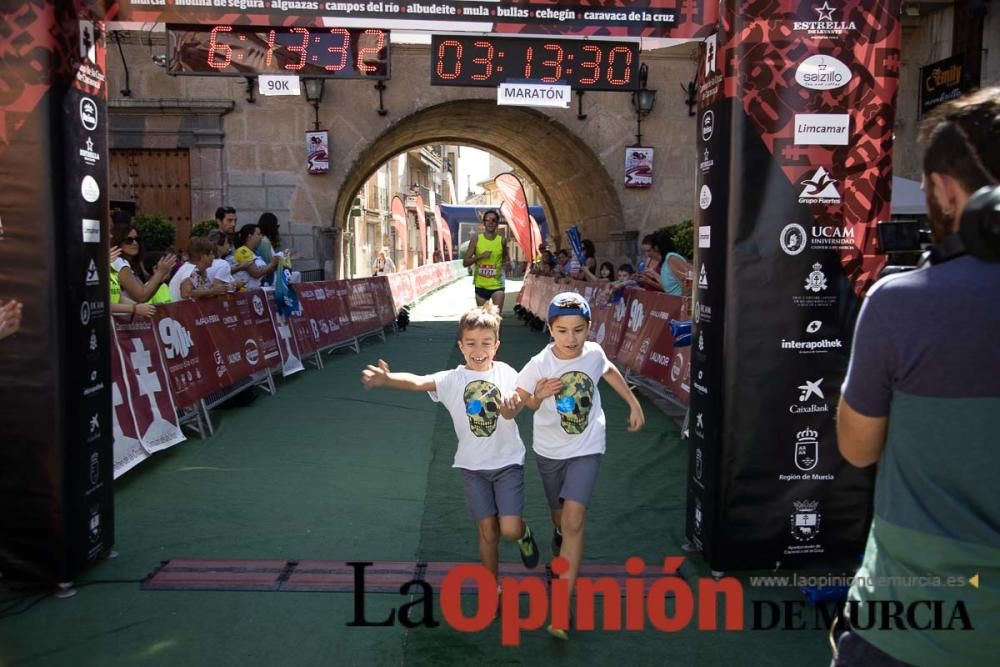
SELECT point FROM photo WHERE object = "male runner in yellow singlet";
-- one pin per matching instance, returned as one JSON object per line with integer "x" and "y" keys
{"x": 488, "y": 253}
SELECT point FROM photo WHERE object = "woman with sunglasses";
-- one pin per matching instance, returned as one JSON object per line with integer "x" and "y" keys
{"x": 138, "y": 286}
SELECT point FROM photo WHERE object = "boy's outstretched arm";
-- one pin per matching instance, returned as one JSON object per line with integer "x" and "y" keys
{"x": 635, "y": 418}
{"x": 381, "y": 376}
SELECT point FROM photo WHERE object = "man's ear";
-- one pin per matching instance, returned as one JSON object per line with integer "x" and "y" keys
{"x": 945, "y": 190}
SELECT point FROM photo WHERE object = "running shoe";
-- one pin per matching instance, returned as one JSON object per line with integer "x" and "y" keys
{"x": 556, "y": 542}
{"x": 529, "y": 550}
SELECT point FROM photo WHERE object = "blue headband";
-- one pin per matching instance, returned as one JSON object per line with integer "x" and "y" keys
{"x": 568, "y": 303}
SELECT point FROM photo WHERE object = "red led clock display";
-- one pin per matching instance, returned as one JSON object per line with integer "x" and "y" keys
{"x": 488, "y": 60}
{"x": 242, "y": 50}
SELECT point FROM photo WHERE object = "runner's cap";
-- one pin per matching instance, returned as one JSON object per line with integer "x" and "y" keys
{"x": 568, "y": 303}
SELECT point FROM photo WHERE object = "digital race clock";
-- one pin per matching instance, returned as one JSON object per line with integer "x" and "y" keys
{"x": 242, "y": 50}
{"x": 487, "y": 60}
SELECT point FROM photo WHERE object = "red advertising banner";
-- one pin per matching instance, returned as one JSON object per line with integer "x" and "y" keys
{"x": 145, "y": 377}
{"x": 647, "y": 346}
{"x": 399, "y": 224}
{"x": 362, "y": 307}
{"x": 196, "y": 368}
{"x": 325, "y": 318}
{"x": 247, "y": 323}
{"x": 383, "y": 300}
{"x": 516, "y": 211}
{"x": 128, "y": 450}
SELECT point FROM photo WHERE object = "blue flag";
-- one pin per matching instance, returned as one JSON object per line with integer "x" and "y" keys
{"x": 285, "y": 298}
{"x": 574, "y": 240}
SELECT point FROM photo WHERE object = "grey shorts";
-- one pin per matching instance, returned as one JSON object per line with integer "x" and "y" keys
{"x": 492, "y": 492}
{"x": 568, "y": 479}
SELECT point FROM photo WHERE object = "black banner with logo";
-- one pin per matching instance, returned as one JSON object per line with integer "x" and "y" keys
{"x": 794, "y": 171}
{"x": 55, "y": 370}
{"x": 943, "y": 81}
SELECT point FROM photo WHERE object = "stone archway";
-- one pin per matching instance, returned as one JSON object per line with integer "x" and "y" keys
{"x": 576, "y": 188}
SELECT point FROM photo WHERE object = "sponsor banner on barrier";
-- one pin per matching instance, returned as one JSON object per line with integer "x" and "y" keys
{"x": 383, "y": 300}
{"x": 609, "y": 323}
{"x": 362, "y": 306}
{"x": 207, "y": 345}
{"x": 128, "y": 450}
{"x": 149, "y": 396}
{"x": 196, "y": 367}
{"x": 325, "y": 320}
{"x": 246, "y": 337}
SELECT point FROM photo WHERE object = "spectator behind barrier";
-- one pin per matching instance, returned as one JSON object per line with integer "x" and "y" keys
{"x": 921, "y": 398}
{"x": 625, "y": 272}
{"x": 225, "y": 220}
{"x": 138, "y": 286}
{"x": 589, "y": 261}
{"x": 247, "y": 266}
{"x": 665, "y": 269}
{"x": 606, "y": 273}
{"x": 383, "y": 265}
{"x": 220, "y": 271}
{"x": 191, "y": 280}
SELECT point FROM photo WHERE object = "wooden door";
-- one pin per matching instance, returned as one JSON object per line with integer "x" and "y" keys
{"x": 158, "y": 181}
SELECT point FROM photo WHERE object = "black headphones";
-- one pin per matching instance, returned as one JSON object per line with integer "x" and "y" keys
{"x": 978, "y": 231}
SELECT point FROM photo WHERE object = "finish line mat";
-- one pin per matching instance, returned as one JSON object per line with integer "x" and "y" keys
{"x": 338, "y": 576}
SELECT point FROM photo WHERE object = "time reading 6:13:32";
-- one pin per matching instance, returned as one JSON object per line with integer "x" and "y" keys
{"x": 239, "y": 50}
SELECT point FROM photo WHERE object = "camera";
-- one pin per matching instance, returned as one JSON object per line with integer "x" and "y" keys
{"x": 904, "y": 241}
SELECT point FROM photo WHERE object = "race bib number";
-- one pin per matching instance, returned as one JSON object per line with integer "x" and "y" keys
{"x": 487, "y": 270}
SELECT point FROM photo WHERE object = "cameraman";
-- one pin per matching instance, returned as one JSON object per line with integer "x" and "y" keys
{"x": 922, "y": 399}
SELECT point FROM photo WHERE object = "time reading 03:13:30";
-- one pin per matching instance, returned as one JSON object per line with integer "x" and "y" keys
{"x": 488, "y": 60}
{"x": 243, "y": 50}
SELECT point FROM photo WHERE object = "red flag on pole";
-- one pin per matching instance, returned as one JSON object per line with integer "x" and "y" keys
{"x": 517, "y": 210}
{"x": 399, "y": 222}
{"x": 536, "y": 236}
{"x": 422, "y": 226}
{"x": 444, "y": 233}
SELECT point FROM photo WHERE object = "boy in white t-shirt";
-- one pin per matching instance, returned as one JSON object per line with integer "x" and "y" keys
{"x": 560, "y": 384}
{"x": 482, "y": 401}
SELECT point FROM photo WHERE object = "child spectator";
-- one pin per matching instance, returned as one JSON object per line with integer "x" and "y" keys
{"x": 605, "y": 273}
{"x": 560, "y": 384}
{"x": 191, "y": 280}
{"x": 220, "y": 271}
{"x": 483, "y": 402}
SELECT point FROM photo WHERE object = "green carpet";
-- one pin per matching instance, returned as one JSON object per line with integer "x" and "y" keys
{"x": 326, "y": 470}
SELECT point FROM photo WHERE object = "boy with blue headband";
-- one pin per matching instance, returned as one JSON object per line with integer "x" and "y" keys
{"x": 560, "y": 384}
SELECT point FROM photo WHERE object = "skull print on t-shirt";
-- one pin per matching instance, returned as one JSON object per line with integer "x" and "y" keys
{"x": 482, "y": 405}
{"x": 575, "y": 401}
